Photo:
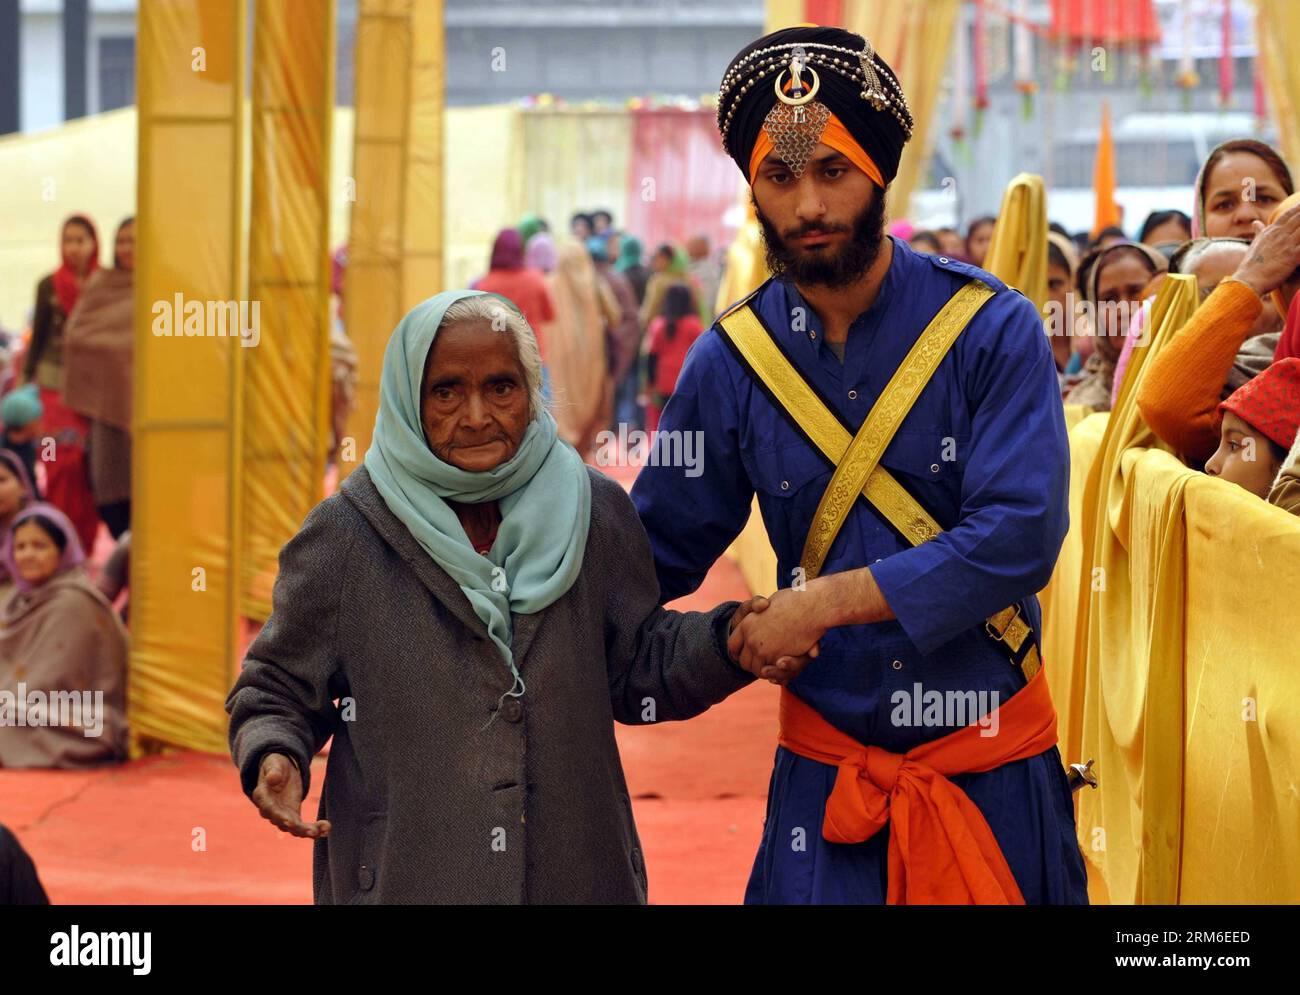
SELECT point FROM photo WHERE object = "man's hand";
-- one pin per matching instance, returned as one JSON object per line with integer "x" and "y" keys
{"x": 278, "y": 797}
{"x": 775, "y": 637}
{"x": 1274, "y": 255}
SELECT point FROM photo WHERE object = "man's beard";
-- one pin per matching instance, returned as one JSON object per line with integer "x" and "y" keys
{"x": 823, "y": 267}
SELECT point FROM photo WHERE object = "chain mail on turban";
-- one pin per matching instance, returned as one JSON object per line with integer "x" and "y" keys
{"x": 838, "y": 92}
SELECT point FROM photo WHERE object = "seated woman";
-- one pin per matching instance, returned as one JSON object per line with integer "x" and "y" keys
{"x": 62, "y": 652}
{"x": 1113, "y": 281}
{"x": 16, "y": 493}
{"x": 1185, "y": 381}
{"x": 467, "y": 618}
{"x": 1259, "y": 426}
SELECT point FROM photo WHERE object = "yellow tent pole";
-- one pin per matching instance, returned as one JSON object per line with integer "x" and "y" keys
{"x": 286, "y": 393}
{"x": 189, "y": 286}
{"x": 396, "y": 233}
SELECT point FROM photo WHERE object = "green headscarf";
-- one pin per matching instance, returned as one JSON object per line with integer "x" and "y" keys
{"x": 529, "y": 225}
{"x": 629, "y": 253}
{"x": 544, "y": 491}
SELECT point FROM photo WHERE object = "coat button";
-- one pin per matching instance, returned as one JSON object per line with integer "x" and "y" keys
{"x": 366, "y": 877}
{"x": 897, "y": 664}
{"x": 512, "y": 710}
{"x": 853, "y": 395}
{"x": 943, "y": 259}
{"x": 934, "y": 467}
{"x": 812, "y": 335}
{"x": 785, "y": 485}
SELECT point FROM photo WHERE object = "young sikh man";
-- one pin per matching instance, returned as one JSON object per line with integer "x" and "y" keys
{"x": 899, "y": 417}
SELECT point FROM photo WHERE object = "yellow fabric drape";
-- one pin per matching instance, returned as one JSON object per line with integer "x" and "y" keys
{"x": 287, "y": 376}
{"x": 914, "y": 37}
{"x": 746, "y": 265}
{"x": 1241, "y": 832}
{"x": 189, "y": 250}
{"x": 1130, "y": 638}
{"x": 395, "y": 242}
{"x": 1018, "y": 252}
{"x": 1060, "y": 598}
{"x": 1277, "y": 34}
{"x": 574, "y": 159}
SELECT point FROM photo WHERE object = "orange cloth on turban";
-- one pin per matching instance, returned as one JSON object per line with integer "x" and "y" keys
{"x": 836, "y": 136}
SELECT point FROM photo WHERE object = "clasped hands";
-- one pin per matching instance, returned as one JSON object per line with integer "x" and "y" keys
{"x": 774, "y": 638}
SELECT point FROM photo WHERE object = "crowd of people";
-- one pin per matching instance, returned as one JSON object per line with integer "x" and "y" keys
{"x": 614, "y": 327}
{"x": 1223, "y": 392}
{"x": 65, "y": 485}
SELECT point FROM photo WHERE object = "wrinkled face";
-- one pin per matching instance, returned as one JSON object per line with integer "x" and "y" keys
{"x": 124, "y": 247}
{"x": 1241, "y": 188}
{"x": 1244, "y": 457}
{"x": 474, "y": 399}
{"x": 78, "y": 246}
{"x": 977, "y": 246}
{"x": 825, "y": 227}
{"x": 11, "y": 492}
{"x": 35, "y": 555}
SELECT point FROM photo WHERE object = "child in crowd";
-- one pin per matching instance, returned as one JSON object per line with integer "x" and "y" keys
{"x": 21, "y": 411}
{"x": 1259, "y": 427}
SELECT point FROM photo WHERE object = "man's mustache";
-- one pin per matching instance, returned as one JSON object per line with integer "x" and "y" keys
{"x": 813, "y": 230}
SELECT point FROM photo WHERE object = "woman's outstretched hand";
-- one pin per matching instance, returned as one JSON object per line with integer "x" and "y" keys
{"x": 278, "y": 797}
{"x": 781, "y": 668}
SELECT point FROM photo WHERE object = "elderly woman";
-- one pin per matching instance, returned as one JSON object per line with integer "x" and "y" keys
{"x": 467, "y": 617}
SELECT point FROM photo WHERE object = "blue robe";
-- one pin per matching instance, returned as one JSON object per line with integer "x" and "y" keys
{"x": 984, "y": 449}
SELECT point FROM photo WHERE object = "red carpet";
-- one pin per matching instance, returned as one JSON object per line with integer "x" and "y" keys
{"x": 178, "y": 829}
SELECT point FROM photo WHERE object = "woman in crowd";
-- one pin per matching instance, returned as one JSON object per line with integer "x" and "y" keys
{"x": 1241, "y": 182}
{"x": 540, "y": 254}
{"x": 67, "y": 482}
{"x": 98, "y": 345}
{"x": 1114, "y": 282}
{"x": 668, "y": 339}
{"x": 22, "y": 414}
{"x": 1185, "y": 381}
{"x": 489, "y": 604}
{"x": 1062, "y": 261}
{"x": 978, "y": 236}
{"x": 1165, "y": 228}
{"x": 509, "y": 277}
{"x": 629, "y": 264}
{"x": 576, "y": 354}
{"x": 1257, "y": 431}
{"x": 16, "y": 493}
{"x": 668, "y": 267}
{"x": 59, "y": 634}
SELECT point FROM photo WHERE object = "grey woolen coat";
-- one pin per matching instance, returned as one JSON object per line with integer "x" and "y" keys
{"x": 434, "y": 793}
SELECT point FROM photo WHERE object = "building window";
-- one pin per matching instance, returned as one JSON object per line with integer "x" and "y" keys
{"x": 116, "y": 73}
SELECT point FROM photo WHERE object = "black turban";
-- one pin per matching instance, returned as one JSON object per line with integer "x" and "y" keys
{"x": 881, "y": 132}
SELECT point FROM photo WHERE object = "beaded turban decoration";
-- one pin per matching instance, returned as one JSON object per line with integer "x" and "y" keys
{"x": 797, "y": 87}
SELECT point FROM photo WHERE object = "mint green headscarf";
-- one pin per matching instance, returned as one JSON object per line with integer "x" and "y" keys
{"x": 544, "y": 492}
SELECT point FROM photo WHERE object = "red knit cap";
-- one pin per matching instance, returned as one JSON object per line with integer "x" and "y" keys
{"x": 1271, "y": 402}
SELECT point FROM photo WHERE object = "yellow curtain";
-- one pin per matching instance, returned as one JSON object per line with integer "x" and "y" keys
{"x": 1130, "y": 639}
{"x": 287, "y": 376}
{"x": 1060, "y": 598}
{"x": 574, "y": 159}
{"x": 1241, "y": 834}
{"x": 395, "y": 239}
{"x": 1277, "y": 33}
{"x": 184, "y": 569}
{"x": 1018, "y": 252}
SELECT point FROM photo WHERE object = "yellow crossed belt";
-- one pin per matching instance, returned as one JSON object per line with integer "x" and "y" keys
{"x": 856, "y": 458}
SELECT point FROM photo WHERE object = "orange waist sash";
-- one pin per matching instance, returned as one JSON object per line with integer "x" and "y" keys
{"x": 941, "y": 849}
